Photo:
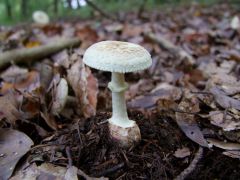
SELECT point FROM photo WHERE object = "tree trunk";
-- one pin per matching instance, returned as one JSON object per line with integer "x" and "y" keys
{"x": 8, "y": 9}
{"x": 55, "y": 6}
{"x": 24, "y": 8}
{"x": 69, "y": 3}
{"x": 78, "y": 4}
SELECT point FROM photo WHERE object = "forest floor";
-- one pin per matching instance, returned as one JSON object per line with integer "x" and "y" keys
{"x": 187, "y": 104}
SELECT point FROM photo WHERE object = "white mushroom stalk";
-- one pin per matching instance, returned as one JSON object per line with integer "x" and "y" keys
{"x": 119, "y": 57}
{"x": 118, "y": 87}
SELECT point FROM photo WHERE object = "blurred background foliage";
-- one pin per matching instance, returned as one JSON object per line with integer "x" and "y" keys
{"x": 16, "y": 11}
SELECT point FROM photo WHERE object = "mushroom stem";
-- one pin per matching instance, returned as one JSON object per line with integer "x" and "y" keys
{"x": 125, "y": 131}
{"x": 118, "y": 87}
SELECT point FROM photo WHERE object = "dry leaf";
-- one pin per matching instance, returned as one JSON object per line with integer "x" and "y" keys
{"x": 131, "y": 31}
{"x": 13, "y": 146}
{"x": 163, "y": 91}
{"x": 167, "y": 91}
{"x": 84, "y": 85}
{"x": 71, "y": 173}
{"x": 60, "y": 94}
{"x": 113, "y": 27}
{"x": 141, "y": 87}
{"x": 31, "y": 44}
{"x": 49, "y": 171}
{"x": 28, "y": 84}
{"x": 187, "y": 122}
{"x": 14, "y": 74}
{"x": 182, "y": 153}
{"x": 46, "y": 75}
{"x": 49, "y": 119}
{"x": 87, "y": 35}
{"x": 9, "y": 108}
{"x": 223, "y": 145}
{"x": 225, "y": 121}
{"x": 232, "y": 154}
{"x": 61, "y": 59}
{"x": 223, "y": 100}
{"x": 44, "y": 171}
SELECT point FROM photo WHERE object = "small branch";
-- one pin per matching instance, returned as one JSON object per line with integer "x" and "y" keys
{"x": 35, "y": 53}
{"x": 169, "y": 46}
{"x": 184, "y": 174}
{"x": 70, "y": 162}
{"x": 111, "y": 170}
{"x": 103, "y": 13}
{"x": 87, "y": 177}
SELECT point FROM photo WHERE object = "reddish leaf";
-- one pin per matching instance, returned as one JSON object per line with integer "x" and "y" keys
{"x": 9, "y": 108}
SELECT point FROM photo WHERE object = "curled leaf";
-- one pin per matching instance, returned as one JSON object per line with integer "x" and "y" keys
{"x": 223, "y": 145}
{"x": 84, "y": 85}
{"x": 60, "y": 96}
{"x": 223, "y": 100}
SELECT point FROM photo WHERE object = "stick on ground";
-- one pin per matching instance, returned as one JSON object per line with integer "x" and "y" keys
{"x": 35, "y": 53}
{"x": 184, "y": 174}
{"x": 169, "y": 46}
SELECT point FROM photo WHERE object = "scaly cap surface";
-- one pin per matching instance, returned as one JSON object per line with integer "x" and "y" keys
{"x": 117, "y": 56}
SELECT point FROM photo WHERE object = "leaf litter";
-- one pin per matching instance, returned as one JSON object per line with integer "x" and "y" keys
{"x": 186, "y": 100}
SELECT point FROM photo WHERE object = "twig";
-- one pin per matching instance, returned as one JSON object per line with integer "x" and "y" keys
{"x": 169, "y": 46}
{"x": 184, "y": 174}
{"x": 81, "y": 173}
{"x": 44, "y": 145}
{"x": 201, "y": 92}
{"x": 103, "y": 13}
{"x": 184, "y": 112}
{"x": 111, "y": 170}
{"x": 35, "y": 53}
{"x": 105, "y": 164}
{"x": 70, "y": 162}
{"x": 79, "y": 145}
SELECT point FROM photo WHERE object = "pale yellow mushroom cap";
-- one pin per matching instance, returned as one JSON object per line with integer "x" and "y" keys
{"x": 117, "y": 56}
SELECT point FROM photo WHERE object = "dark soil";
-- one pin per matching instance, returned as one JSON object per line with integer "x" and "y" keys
{"x": 93, "y": 152}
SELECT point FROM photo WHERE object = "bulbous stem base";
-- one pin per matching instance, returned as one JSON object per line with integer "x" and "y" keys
{"x": 125, "y": 137}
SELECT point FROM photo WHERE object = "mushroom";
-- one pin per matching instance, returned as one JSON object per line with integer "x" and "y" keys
{"x": 119, "y": 58}
{"x": 40, "y": 17}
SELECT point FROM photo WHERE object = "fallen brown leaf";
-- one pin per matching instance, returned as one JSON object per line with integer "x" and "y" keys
{"x": 223, "y": 100}
{"x": 28, "y": 84}
{"x": 182, "y": 153}
{"x": 223, "y": 145}
{"x": 225, "y": 121}
{"x": 84, "y": 85}
{"x": 13, "y": 146}
{"x": 9, "y": 108}
{"x": 186, "y": 120}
